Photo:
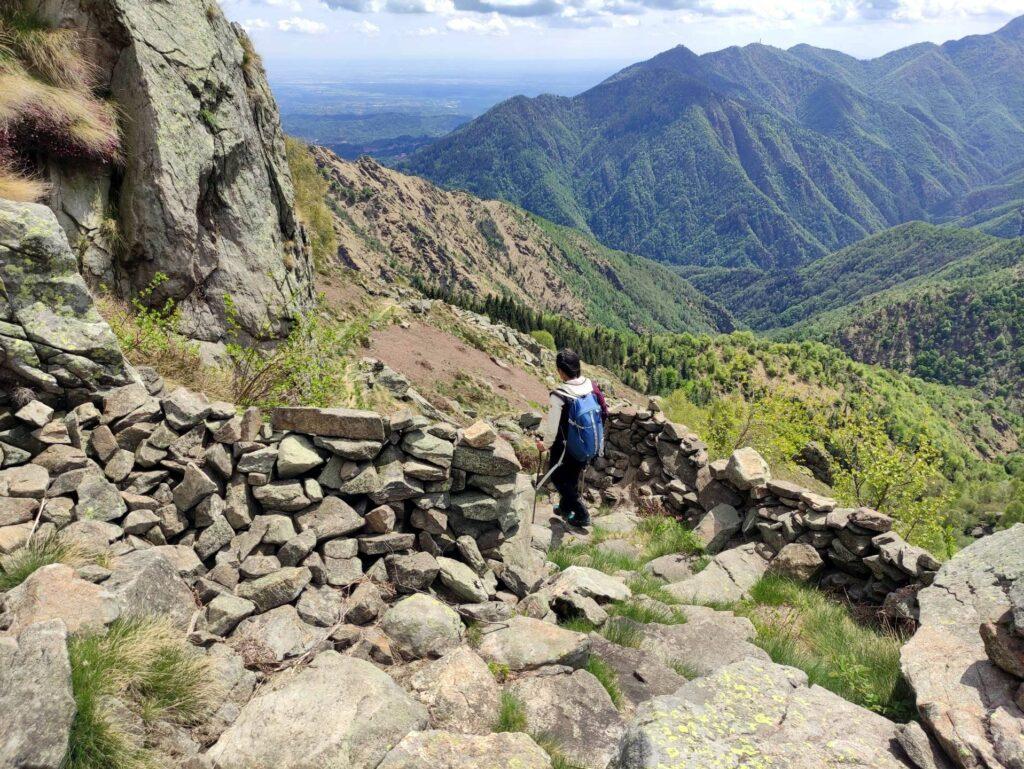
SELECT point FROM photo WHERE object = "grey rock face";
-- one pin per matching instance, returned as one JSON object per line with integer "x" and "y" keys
{"x": 727, "y": 578}
{"x": 55, "y": 592}
{"x": 757, "y": 711}
{"x": 459, "y": 692}
{"x": 966, "y": 700}
{"x": 37, "y": 705}
{"x": 448, "y": 750}
{"x": 51, "y": 335}
{"x": 351, "y": 715}
{"x": 206, "y": 196}
{"x": 576, "y": 711}
{"x": 145, "y": 582}
{"x": 275, "y": 589}
{"x": 691, "y": 643}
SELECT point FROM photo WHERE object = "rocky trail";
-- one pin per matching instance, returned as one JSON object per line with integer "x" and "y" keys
{"x": 378, "y": 592}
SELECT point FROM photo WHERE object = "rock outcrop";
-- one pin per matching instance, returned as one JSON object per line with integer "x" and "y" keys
{"x": 205, "y": 195}
{"x": 967, "y": 700}
{"x": 51, "y": 336}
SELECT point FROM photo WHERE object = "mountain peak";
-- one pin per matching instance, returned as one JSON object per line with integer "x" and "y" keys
{"x": 1014, "y": 29}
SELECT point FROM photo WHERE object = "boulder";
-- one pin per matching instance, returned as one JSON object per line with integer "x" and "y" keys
{"x": 449, "y": 750}
{"x": 479, "y": 435}
{"x": 688, "y": 643}
{"x": 588, "y": 583}
{"x": 275, "y": 589}
{"x": 464, "y": 583}
{"x": 333, "y": 517}
{"x": 746, "y": 469}
{"x": 727, "y": 578}
{"x": 226, "y": 611}
{"x": 295, "y": 456}
{"x": 717, "y": 527}
{"x": 429, "y": 448}
{"x": 642, "y": 675}
{"x": 575, "y": 712}
{"x": 51, "y": 335}
{"x": 797, "y": 561}
{"x": 752, "y": 713}
{"x": 146, "y": 583}
{"x": 674, "y": 567}
{"x": 37, "y": 704}
{"x": 338, "y": 711}
{"x": 524, "y": 643}
{"x": 275, "y": 636}
{"x": 500, "y": 459}
{"x": 56, "y": 592}
{"x": 420, "y": 626}
{"x": 459, "y": 692}
{"x": 413, "y": 572}
{"x": 965, "y": 699}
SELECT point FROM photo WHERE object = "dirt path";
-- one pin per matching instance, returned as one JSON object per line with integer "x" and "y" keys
{"x": 432, "y": 360}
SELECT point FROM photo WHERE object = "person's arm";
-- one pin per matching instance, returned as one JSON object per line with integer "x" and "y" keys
{"x": 601, "y": 402}
{"x": 549, "y": 429}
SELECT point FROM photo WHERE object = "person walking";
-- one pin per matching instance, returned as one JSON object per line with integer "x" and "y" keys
{"x": 573, "y": 432}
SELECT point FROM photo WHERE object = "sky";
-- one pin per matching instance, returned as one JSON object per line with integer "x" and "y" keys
{"x": 621, "y": 31}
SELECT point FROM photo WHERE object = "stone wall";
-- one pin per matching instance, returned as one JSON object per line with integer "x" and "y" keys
{"x": 729, "y": 502}
{"x": 302, "y": 510}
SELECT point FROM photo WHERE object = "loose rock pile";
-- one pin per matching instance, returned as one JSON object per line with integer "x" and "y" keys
{"x": 803, "y": 534}
{"x": 280, "y": 526}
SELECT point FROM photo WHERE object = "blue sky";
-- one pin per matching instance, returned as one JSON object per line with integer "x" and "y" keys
{"x": 596, "y": 30}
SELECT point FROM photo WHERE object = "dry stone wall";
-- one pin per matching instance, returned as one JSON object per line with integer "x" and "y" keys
{"x": 735, "y": 500}
{"x": 310, "y": 515}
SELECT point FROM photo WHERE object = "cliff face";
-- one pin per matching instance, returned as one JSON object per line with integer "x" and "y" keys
{"x": 203, "y": 195}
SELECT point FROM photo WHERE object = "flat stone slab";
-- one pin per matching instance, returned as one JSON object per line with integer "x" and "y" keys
{"x": 727, "y": 578}
{"x": 330, "y": 423}
{"x": 524, "y": 643}
{"x": 757, "y": 714}
{"x": 707, "y": 641}
{"x": 965, "y": 699}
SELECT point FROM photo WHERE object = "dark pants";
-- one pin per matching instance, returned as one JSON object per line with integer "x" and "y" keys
{"x": 568, "y": 480}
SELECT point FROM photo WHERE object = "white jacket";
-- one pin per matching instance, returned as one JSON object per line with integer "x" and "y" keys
{"x": 574, "y": 388}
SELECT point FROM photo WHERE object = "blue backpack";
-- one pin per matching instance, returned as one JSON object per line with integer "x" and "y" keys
{"x": 584, "y": 438}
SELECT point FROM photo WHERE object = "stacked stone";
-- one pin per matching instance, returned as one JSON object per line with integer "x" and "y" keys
{"x": 729, "y": 501}
{"x": 312, "y": 509}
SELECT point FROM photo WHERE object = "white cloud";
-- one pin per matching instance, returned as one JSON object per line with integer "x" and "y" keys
{"x": 426, "y": 32}
{"x": 292, "y": 5}
{"x": 490, "y": 25}
{"x": 253, "y": 25}
{"x": 302, "y": 26}
{"x": 366, "y": 28}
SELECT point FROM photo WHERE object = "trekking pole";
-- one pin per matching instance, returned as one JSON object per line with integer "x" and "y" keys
{"x": 536, "y": 482}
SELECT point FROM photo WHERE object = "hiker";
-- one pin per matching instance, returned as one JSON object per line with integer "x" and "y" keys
{"x": 573, "y": 431}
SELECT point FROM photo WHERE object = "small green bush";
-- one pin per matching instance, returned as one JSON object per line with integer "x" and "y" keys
{"x": 544, "y": 338}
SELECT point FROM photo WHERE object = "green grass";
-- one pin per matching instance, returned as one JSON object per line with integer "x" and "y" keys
{"x": 500, "y": 671}
{"x": 645, "y": 614}
{"x": 511, "y": 714}
{"x": 623, "y": 632}
{"x": 149, "y": 667}
{"x": 474, "y": 634}
{"x": 684, "y": 669}
{"x": 607, "y": 677}
{"x": 803, "y": 628}
{"x": 552, "y": 747}
{"x": 655, "y": 536}
{"x": 16, "y": 567}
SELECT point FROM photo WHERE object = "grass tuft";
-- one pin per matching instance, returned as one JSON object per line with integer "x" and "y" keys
{"x": 311, "y": 202}
{"x": 684, "y": 669}
{"x": 607, "y": 676}
{"x": 150, "y": 669}
{"x": 645, "y": 614}
{"x": 623, "y": 632}
{"x": 511, "y": 714}
{"x": 803, "y": 628}
{"x": 19, "y": 565}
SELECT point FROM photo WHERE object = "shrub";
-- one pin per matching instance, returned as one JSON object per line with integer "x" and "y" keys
{"x": 311, "y": 202}
{"x": 544, "y": 338}
{"x": 149, "y": 668}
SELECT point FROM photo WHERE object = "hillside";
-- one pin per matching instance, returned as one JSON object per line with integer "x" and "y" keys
{"x": 752, "y": 157}
{"x": 396, "y": 226}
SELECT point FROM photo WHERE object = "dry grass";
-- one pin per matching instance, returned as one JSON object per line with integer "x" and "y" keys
{"x": 46, "y": 92}
{"x": 20, "y": 188}
{"x": 19, "y": 565}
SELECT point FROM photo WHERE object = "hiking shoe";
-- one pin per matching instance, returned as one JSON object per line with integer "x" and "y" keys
{"x": 581, "y": 521}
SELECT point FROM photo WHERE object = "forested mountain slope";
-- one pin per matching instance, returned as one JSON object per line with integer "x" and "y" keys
{"x": 395, "y": 225}
{"x": 753, "y": 157}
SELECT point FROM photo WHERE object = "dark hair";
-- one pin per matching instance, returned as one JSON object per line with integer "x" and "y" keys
{"x": 568, "y": 362}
